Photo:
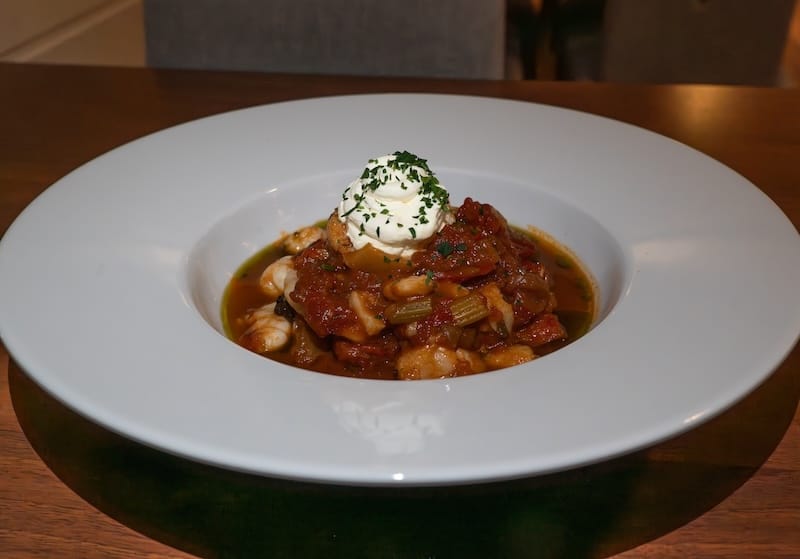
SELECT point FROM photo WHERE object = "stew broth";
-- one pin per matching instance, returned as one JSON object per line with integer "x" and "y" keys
{"x": 572, "y": 287}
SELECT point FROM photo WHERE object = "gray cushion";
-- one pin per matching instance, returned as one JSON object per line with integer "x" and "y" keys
{"x": 438, "y": 38}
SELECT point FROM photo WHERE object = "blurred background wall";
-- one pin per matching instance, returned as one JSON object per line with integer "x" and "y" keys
{"x": 105, "y": 32}
{"x": 545, "y": 39}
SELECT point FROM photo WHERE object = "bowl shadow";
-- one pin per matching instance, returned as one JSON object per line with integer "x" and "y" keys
{"x": 594, "y": 511}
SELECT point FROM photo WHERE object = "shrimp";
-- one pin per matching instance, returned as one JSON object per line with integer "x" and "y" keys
{"x": 302, "y": 239}
{"x": 509, "y": 356}
{"x": 501, "y": 313}
{"x": 429, "y": 362}
{"x": 274, "y": 278}
{"x": 266, "y": 331}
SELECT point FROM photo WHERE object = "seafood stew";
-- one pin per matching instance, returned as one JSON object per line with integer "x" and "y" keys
{"x": 471, "y": 294}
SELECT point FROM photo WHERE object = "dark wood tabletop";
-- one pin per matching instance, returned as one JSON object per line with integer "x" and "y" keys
{"x": 69, "y": 488}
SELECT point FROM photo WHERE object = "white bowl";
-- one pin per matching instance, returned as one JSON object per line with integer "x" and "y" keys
{"x": 111, "y": 282}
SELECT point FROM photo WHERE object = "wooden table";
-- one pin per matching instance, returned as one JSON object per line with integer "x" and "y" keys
{"x": 68, "y": 488}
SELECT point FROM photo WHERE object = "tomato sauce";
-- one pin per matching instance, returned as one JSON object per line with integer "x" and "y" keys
{"x": 552, "y": 297}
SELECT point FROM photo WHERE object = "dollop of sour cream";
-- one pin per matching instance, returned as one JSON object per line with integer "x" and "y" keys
{"x": 395, "y": 205}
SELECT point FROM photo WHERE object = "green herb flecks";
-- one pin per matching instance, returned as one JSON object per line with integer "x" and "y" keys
{"x": 446, "y": 248}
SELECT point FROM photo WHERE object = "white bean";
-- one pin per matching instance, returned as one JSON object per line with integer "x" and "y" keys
{"x": 410, "y": 286}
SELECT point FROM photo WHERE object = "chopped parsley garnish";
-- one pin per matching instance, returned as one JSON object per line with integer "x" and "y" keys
{"x": 446, "y": 248}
